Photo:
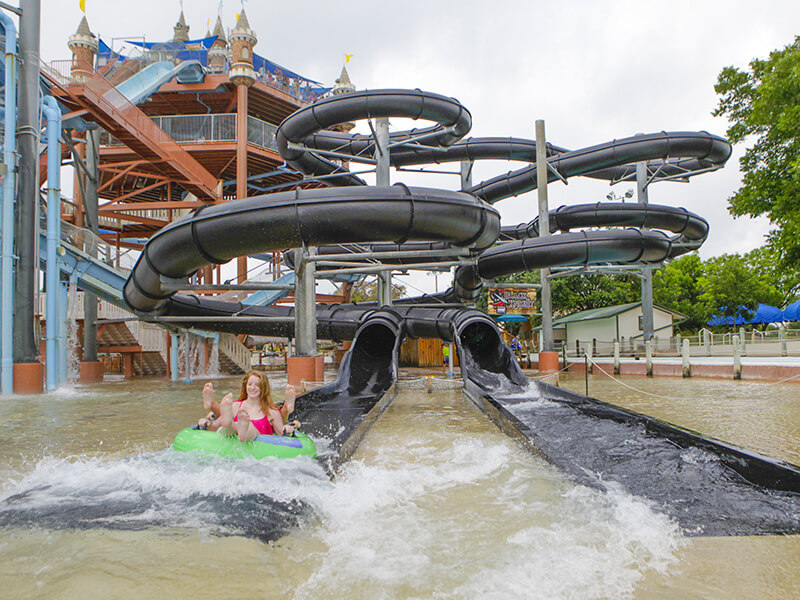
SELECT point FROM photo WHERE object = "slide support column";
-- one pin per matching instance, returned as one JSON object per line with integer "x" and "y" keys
{"x": 647, "y": 272}
{"x": 382, "y": 177}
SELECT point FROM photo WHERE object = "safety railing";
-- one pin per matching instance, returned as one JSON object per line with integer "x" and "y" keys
{"x": 202, "y": 129}
{"x": 122, "y": 259}
{"x": 770, "y": 343}
{"x": 235, "y": 350}
{"x": 102, "y": 94}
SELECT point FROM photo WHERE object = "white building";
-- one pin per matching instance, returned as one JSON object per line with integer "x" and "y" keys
{"x": 622, "y": 322}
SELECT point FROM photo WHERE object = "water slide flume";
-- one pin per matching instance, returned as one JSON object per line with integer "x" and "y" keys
{"x": 398, "y": 218}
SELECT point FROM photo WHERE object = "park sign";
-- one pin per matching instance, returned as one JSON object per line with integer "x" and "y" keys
{"x": 509, "y": 301}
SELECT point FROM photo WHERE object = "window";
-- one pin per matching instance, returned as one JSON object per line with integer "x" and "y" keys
{"x": 641, "y": 322}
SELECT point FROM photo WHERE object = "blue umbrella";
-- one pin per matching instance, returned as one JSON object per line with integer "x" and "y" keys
{"x": 511, "y": 318}
{"x": 763, "y": 314}
{"x": 792, "y": 312}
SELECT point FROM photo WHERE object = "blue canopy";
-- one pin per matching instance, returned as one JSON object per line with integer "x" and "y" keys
{"x": 792, "y": 312}
{"x": 511, "y": 318}
{"x": 198, "y": 44}
{"x": 260, "y": 62}
{"x": 764, "y": 314}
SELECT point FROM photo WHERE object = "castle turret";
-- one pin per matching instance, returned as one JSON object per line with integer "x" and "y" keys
{"x": 218, "y": 53}
{"x": 343, "y": 85}
{"x": 84, "y": 48}
{"x": 181, "y": 30}
{"x": 242, "y": 40}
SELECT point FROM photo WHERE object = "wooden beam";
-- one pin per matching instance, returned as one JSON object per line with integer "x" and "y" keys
{"x": 138, "y": 191}
{"x": 119, "y": 174}
{"x": 145, "y": 174}
{"x": 75, "y": 113}
{"x": 112, "y": 237}
{"x": 227, "y": 164}
{"x": 119, "y": 349}
{"x": 137, "y": 219}
{"x": 157, "y": 205}
{"x": 125, "y": 163}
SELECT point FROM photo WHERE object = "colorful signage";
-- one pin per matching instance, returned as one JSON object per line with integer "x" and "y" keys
{"x": 509, "y": 301}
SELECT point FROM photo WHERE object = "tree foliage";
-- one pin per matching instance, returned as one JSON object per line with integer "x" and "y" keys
{"x": 762, "y": 104}
{"x": 367, "y": 291}
{"x": 678, "y": 286}
{"x": 584, "y": 292}
{"x": 727, "y": 285}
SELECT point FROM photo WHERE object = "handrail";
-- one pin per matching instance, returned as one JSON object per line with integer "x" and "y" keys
{"x": 103, "y": 94}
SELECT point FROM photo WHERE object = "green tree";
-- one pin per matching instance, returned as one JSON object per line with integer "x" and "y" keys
{"x": 786, "y": 281}
{"x": 677, "y": 286}
{"x": 762, "y": 104}
{"x": 584, "y": 292}
{"x": 367, "y": 291}
{"x": 734, "y": 287}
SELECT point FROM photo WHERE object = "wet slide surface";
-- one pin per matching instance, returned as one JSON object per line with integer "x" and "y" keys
{"x": 707, "y": 487}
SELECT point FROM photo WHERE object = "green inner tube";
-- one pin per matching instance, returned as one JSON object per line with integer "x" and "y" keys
{"x": 299, "y": 444}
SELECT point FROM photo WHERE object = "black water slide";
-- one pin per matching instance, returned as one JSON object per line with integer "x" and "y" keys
{"x": 594, "y": 442}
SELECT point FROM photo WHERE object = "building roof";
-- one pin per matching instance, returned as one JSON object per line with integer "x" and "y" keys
{"x": 83, "y": 28}
{"x": 219, "y": 30}
{"x": 242, "y": 24}
{"x": 605, "y": 312}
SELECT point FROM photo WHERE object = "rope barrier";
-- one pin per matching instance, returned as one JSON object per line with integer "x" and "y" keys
{"x": 784, "y": 380}
{"x": 551, "y": 374}
{"x": 638, "y": 391}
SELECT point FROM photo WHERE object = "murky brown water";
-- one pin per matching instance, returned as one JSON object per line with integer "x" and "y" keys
{"x": 436, "y": 503}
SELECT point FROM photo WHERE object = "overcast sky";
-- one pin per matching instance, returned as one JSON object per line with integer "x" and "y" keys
{"x": 594, "y": 70}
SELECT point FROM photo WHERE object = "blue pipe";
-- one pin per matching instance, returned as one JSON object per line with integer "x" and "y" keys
{"x": 53, "y": 115}
{"x": 7, "y": 212}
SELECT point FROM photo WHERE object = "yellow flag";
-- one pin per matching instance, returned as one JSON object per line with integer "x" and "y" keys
{"x": 82, "y": 5}
{"x": 347, "y": 57}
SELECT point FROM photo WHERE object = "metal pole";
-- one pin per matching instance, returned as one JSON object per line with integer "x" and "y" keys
{"x": 7, "y": 223}
{"x": 241, "y": 164}
{"x": 53, "y": 236}
{"x": 466, "y": 174}
{"x": 382, "y": 151}
{"x": 305, "y": 295}
{"x": 382, "y": 177}
{"x": 93, "y": 225}
{"x": 187, "y": 358}
{"x": 685, "y": 365}
{"x": 26, "y": 348}
{"x": 647, "y": 272}
{"x": 450, "y": 351}
{"x": 586, "y": 372}
{"x": 173, "y": 356}
{"x": 544, "y": 230}
{"x": 63, "y": 332}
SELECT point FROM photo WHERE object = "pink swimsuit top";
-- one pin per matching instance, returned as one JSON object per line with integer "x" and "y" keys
{"x": 263, "y": 426}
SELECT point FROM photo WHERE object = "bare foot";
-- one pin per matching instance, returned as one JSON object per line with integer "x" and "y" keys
{"x": 226, "y": 410}
{"x": 208, "y": 396}
{"x": 291, "y": 395}
{"x": 243, "y": 424}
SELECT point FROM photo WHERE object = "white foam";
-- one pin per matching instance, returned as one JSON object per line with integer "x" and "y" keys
{"x": 173, "y": 477}
{"x": 481, "y": 519}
